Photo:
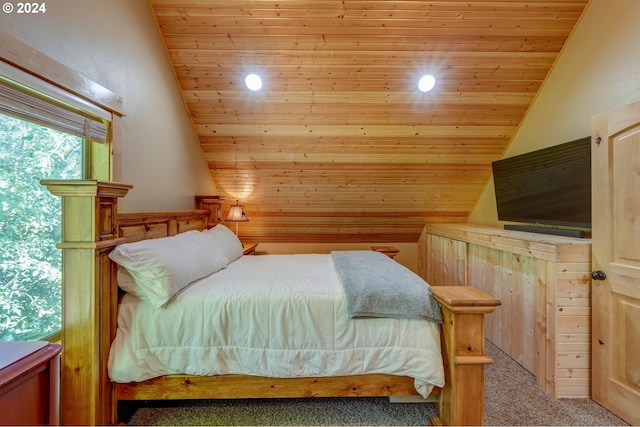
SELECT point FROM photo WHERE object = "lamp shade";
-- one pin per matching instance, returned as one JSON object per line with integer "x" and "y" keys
{"x": 236, "y": 213}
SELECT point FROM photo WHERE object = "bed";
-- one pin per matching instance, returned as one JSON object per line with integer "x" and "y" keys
{"x": 94, "y": 229}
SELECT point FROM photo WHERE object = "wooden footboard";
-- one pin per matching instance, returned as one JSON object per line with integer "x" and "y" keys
{"x": 91, "y": 228}
{"x": 247, "y": 387}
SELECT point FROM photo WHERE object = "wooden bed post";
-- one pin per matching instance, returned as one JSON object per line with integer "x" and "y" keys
{"x": 89, "y": 232}
{"x": 463, "y": 309}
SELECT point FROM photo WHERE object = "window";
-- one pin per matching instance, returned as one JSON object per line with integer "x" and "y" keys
{"x": 41, "y": 137}
{"x": 30, "y": 263}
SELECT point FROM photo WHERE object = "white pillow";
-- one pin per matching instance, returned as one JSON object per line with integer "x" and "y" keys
{"x": 226, "y": 239}
{"x": 127, "y": 283}
{"x": 162, "y": 267}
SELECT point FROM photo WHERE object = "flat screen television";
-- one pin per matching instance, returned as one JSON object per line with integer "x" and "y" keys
{"x": 549, "y": 190}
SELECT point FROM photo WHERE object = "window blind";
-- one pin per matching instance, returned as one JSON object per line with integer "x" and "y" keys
{"x": 22, "y": 102}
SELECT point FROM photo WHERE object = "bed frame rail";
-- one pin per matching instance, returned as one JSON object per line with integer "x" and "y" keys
{"x": 92, "y": 226}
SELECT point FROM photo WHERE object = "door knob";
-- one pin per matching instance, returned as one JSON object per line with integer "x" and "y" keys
{"x": 598, "y": 275}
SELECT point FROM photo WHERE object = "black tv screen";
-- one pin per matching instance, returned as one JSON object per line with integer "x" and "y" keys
{"x": 551, "y": 186}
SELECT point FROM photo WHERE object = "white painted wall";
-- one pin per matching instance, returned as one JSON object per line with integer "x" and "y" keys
{"x": 599, "y": 70}
{"x": 116, "y": 44}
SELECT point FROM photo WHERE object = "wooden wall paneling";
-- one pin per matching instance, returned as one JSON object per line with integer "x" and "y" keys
{"x": 521, "y": 302}
{"x": 425, "y": 246}
{"x": 489, "y": 262}
{"x": 492, "y": 257}
{"x": 510, "y": 279}
{"x": 421, "y": 252}
{"x": 544, "y": 369}
{"x": 544, "y": 284}
{"x": 484, "y": 282}
{"x": 551, "y": 327}
{"x": 434, "y": 258}
{"x": 523, "y": 308}
{"x": 505, "y": 281}
{"x": 574, "y": 319}
{"x": 457, "y": 257}
{"x": 528, "y": 315}
{"x": 446, "y": 262}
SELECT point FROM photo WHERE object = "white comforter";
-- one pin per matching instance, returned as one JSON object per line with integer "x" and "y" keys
{"x": 272, "y": 316}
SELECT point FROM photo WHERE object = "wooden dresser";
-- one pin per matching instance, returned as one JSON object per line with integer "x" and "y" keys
{"x": 29, "y": 383}
{"x": 544, "y": 283}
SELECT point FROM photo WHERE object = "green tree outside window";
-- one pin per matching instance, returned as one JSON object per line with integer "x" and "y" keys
{"x": 30, "y": 263}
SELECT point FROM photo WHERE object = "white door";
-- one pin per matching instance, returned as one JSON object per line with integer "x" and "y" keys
{"x": 616, "y": 261}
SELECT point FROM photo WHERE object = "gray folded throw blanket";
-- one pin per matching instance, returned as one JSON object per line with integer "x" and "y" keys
{"x": 377, "y": 286}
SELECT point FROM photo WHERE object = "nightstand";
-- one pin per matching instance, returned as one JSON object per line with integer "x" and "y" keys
{"x": 389, "y": 251}
{"x": 29, "y": 383}
{"x": 249, "y": 248}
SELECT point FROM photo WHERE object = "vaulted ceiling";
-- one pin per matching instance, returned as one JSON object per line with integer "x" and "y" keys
{"x": 339, "y": 145}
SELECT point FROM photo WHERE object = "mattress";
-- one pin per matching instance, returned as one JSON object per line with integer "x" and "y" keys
{"x": 282, "y": 316}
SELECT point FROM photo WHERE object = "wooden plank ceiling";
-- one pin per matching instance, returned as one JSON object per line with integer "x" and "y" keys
{"x": 339, "y": 145}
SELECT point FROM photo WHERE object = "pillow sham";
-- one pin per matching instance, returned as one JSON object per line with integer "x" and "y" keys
{"x": 162, "y": 267}
{"x": 226, "y": 239}
{"x": 127, "y": 283}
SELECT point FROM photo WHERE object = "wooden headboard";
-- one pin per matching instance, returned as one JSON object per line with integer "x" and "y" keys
{"x": 134, "y": 226}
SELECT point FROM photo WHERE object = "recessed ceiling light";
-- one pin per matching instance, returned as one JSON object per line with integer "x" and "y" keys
{"x": 426, "y": 83}
{"x": 253, "y": 82}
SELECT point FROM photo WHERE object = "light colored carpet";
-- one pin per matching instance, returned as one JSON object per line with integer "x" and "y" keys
{"x": 511, "y": 398}
{"x": 288, "y": 412}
